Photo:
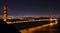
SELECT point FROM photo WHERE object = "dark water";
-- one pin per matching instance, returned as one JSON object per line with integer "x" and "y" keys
{"x": 26, "y": 25}
{"x": 53, "y": 29}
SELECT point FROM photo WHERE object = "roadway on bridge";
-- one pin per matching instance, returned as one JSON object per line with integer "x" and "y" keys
{"x": 31, "y": 21}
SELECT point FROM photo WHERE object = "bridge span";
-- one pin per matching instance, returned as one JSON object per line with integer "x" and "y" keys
{"x": 31, "y": 21}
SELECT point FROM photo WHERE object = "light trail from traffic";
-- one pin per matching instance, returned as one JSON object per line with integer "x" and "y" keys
{"x": 30, "y": 30}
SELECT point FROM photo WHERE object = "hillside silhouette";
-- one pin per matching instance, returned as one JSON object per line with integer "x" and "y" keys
{"x": 6, "y": 28}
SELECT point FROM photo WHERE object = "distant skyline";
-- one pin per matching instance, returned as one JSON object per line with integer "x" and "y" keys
{"x": 31, "y": 7}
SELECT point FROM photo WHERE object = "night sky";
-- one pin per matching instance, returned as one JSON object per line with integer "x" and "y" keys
{"x": 31, "y": 7}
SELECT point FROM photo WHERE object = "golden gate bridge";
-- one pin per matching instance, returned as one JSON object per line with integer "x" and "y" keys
{"x": 30, "y": 29}
{"x": 5, "y": 18}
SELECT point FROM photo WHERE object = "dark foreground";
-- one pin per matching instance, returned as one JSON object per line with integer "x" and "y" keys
{"x": 5, "y": 28}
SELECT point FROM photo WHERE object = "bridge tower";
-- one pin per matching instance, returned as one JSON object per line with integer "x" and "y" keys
{"x": 50, "y": 15}
{"x": 50, "y": 18}
{"x": 5, "y": 14}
